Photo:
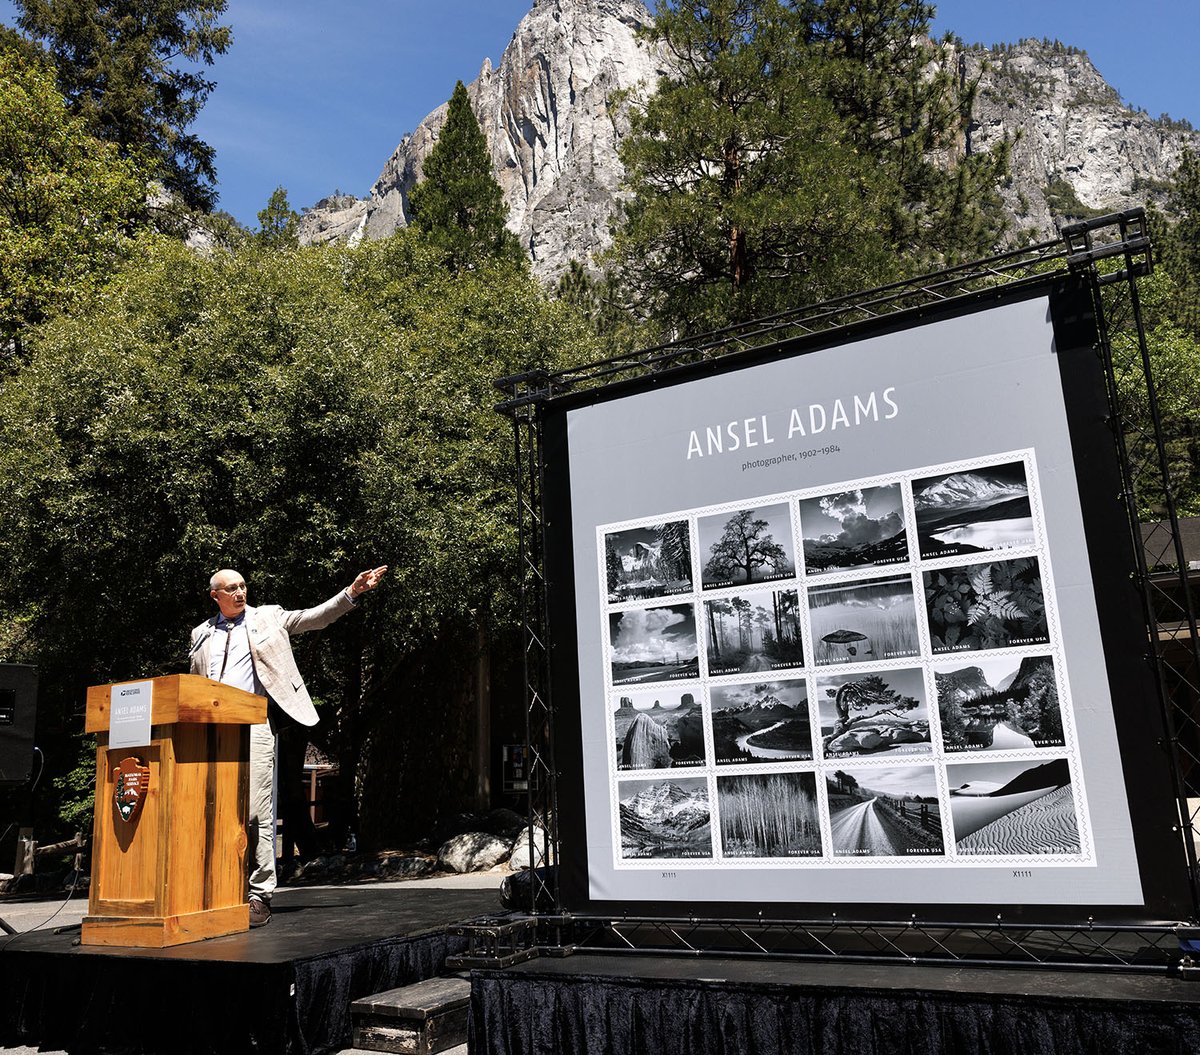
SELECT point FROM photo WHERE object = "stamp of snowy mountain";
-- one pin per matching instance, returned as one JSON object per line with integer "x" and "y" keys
{"x": 665, "y": 818}
{"x": 973, "y": 511}
{"x": 755, "y": 630}
{"x": 657, "y": 728}
{"x": 648, "y": 562}
{"x": 653, "y": 644}
{"x": 1013, "y": 808}
{"x": 1008, "y": 703}
{"x": 985, "y": 606}
{"x": 761, "y": 722}
{"x": 769, "y": 815}
{"x": 885, "y": 811}
{"x": 748, "y": 546}
{"x": 863, "y": 528}
{"x": 884, "y": 713}
{"x": 864, "y": 622}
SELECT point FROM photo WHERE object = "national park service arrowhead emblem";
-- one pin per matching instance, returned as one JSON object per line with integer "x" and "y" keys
{"x": 131, "y": 782}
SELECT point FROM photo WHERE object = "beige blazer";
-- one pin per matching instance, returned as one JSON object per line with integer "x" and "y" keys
{"x": 269, "y": 629}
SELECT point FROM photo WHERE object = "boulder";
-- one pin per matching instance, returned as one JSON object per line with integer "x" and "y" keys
{"x": 857, "y": 740}
{"x": 473, "y": 852}
{"x": 504, "y": 823}
{"x": 521, "y": 849}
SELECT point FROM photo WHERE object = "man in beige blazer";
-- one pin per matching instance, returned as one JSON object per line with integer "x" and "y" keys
{"x": 251, "y": 648}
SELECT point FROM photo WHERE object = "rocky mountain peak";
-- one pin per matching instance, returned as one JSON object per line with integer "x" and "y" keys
{"x": 1078, "y": 149}
{"x": 553, "y": 134}
{"x": 971, "y": 490}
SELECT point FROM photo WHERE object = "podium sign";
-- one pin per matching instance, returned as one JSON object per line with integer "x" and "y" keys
{"x": 169, "y": 835}
{"x": 129, "y": 709}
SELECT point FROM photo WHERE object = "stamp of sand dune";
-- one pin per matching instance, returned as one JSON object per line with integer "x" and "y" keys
{"x": 1044, "y": 826}
{"x": 1013, "y": 808}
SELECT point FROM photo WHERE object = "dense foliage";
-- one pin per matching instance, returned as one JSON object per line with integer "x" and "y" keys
{"x": 66, "y": 202}
{"x": 298, "y": 415}
{"x": 1170, "y": 303}
{"x": 132, "y": 71}
{"x": 795, "y": 151}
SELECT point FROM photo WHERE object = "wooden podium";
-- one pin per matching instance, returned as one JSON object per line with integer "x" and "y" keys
{"x": 174, "y": 871}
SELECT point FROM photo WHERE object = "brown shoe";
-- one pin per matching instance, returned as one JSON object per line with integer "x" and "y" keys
{"x": 260, "y": 912}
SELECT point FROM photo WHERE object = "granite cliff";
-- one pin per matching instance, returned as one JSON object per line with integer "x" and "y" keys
{"x": 553, "y": 134}
{"x": 1078, "y": 149}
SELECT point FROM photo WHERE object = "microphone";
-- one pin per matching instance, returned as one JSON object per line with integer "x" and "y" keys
{"x": 197, "y": 645}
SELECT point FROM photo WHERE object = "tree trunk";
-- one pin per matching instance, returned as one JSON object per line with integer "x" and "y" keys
{"x": 737, "y": 237}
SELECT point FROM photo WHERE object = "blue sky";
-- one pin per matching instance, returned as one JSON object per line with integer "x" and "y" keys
{"x": 314, "y": 96}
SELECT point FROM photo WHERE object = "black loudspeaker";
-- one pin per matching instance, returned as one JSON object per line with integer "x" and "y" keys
{"x": 18, "y": 709}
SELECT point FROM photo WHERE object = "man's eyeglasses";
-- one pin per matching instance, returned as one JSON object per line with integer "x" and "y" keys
{"x": 236, "y": 588}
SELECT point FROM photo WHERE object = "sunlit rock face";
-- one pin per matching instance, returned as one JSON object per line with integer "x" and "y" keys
{"x": 553, "y": 130}
{"x": 1074, "y": 135}
{"x": 548, "y": 113}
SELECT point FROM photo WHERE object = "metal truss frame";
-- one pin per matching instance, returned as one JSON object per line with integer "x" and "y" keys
{"x": 1111, "y": 253}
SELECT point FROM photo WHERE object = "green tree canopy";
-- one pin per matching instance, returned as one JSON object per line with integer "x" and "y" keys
{"x": 66, "y": 201}
{"x": 298, "y": 416}
{"x": 1181, "y": 243}
{"x": 132, "y": 69}
{"x": 458, "y": 205}
{"x": 793, "y": 152}
{"x": 1170, "y": 301}
{"x": 278, "y": 222}
{"x": 1175, "y": 364}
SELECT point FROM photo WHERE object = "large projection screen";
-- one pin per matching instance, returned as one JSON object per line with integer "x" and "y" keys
{"x": 851, "y": 629}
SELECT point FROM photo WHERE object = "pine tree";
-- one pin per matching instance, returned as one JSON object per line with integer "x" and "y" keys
{"x": 905, "y": 106}
{"x": 796, "y": 150}
{"x": 675, "y": 551}
{"x": 130, "y": 70}
{"x": 612, "y": 565}
{"x": 278, "y": 223}
{"x": 746, "y": 196}
{"x": 1181, "y": 244}
{"x": 458, "y": 205}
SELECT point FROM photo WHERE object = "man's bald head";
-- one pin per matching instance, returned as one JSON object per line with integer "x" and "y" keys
{"x": 228, "y": 589}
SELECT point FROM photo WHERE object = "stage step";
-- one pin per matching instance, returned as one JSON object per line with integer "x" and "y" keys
{"x": 419, "y": 1019}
